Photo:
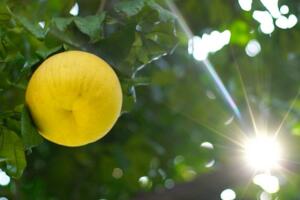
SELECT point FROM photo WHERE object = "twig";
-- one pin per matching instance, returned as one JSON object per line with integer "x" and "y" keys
{"x": 101, "y": 6}
{"x": 17, "y": 187}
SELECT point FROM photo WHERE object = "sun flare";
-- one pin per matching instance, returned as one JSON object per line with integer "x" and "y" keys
{"x": 263, "y": 153}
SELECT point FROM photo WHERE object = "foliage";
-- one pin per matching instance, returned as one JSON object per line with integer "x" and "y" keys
{"x": 28, "y": 37}
{"x": 12, "y": 153}
{"x": 160, "y": 137}
{"x": 68, "y": 33}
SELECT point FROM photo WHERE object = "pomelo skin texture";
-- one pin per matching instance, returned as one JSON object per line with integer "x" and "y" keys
{"x": 74, "y": 98}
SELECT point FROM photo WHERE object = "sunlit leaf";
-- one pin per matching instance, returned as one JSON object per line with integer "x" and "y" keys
{"x": 4, "y": 14}
{"x": 240, "y": 33}
{"x": 296, "y": 129}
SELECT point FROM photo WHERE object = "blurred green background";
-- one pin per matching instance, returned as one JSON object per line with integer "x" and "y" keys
{"x": 176, "y": 138}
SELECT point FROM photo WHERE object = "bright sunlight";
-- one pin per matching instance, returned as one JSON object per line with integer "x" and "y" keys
{"x": 263, "y": 153}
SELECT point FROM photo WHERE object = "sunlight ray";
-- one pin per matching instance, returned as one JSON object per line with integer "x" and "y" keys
{"x": 285, "y": 171}
{"x": 206, "y": 126}
{"x": 246, "y": 98}
{"x": 245, "y": 189}
{"x": 180, "y": 19}
{"x": 290, "y": 163}
{"x": 206, "y": 63}
{"x": 227, "y": 147}
{"x": 286, "y": 114}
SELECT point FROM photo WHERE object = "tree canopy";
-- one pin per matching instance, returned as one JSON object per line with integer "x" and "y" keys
{"x": 185, "y": 109}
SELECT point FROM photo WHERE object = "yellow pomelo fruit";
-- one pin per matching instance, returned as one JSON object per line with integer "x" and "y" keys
{"x": 74, "y": 98}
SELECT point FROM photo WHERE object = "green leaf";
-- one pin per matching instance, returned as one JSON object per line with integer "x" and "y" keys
{"x": 164, "y": 14}
{"x": 133, "y": 7}
{"x": 13, "y": 124}
{"x": 130, "y": 8}
{"x": 12, "y": 150}
{"x": 44, "y": 51}
{"x": 128, "y": 103}
{"x": 29, "y": 63}
{"x": 91, "y": 25}
{"x": 129, "y": 94}
{"x": 34, "y": 29}
{"x": 129, "y": 97}
{"x": 296, "y": 129}
{"x": 30, "y": 135}
{"x": 240, "y": 33}
{"x": 153, "y": 38}
{"x": 62, "y": 22}
{"x": 117, "y": 46}
{"x": 150, "y": 46}
{"x": 4, "y": 14}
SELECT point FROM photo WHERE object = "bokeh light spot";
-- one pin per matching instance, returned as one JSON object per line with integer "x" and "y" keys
{"x": 74, "y": 10}
{"x": 210, "y": 164}
{"x": 228, "y": 194}
{"x": 117, "y": 173}
{"x": 169, "y": 183}
{"x": 284, "y": 9}
{"x": 267, "y": 182}
{"x": 145, "y": 182}
{"x": 265, "y": 196}
{"x": 4, "y": 178}
{"x": 245, "y": 4}
{"x": 253, "y": 48}
{"x": 200, "y": 47}
{"x": 42, "y": 24}
{"x": 207, "y": 145}
{"x": 272, "y": 7}
{"x": 266, "y": 21}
